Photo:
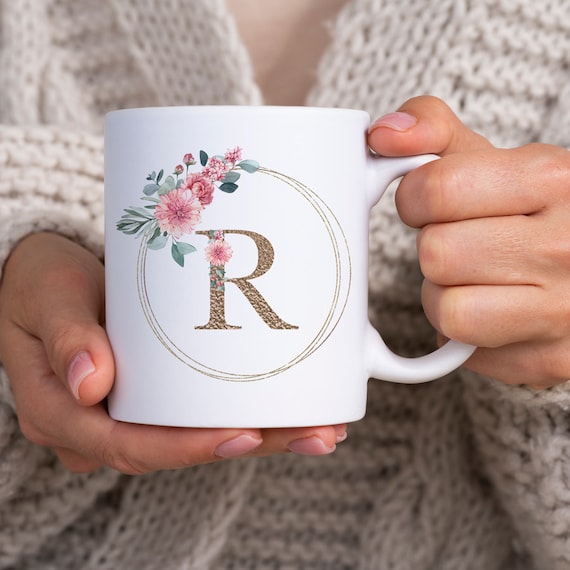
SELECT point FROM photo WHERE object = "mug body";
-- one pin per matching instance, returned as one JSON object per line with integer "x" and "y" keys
{"x": 236, "y": 253}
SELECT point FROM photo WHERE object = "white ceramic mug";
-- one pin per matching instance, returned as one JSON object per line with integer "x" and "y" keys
{"x": 237, "y": 267}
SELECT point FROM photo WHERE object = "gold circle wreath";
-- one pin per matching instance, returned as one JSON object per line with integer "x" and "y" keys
{"x": 326, "y": 215}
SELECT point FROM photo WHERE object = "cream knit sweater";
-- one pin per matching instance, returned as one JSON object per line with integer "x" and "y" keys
{"x": 462, "y": 473}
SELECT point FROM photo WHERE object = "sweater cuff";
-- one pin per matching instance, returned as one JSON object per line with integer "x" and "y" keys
{"x": 52, "y": 180}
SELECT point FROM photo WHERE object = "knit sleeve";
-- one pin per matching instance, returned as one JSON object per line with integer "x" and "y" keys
{"x": 52, "y": 180}
{"x": 522, "y": 437}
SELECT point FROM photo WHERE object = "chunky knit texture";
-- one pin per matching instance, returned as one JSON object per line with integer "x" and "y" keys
{"x": 462, "y": 473}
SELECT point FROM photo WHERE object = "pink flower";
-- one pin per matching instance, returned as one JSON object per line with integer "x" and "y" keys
{"x": 178, "y": 212}
{"x": 233, "y": 156}
{"x": 201, "y": 187}
{"x": 215, "y": 169}
{"x": 188, "y": 159}
{"x": 179, "y": 169}
{"x": 218, "y": 252}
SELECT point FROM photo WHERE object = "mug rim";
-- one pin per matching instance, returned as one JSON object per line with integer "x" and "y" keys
{"x": 205, "y": 109}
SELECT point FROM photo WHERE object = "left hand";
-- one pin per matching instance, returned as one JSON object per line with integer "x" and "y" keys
{"x": 494, "y": 241}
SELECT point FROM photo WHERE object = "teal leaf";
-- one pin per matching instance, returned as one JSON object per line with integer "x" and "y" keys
{"x": 150, "y": 189}
{"x": 228, "y": 187}
{"x": 184, "y": 247}
{"x": 231, "y": 177}
{"x": 159, "y": 176}
{"x": 138, "y": 213}
{"x": 250, "y": 166}
{"x": 157, "y": 241}
{"x": 168, "y": 185}
{"x": 176, "y": 255}
{"x": 203, "y": 158}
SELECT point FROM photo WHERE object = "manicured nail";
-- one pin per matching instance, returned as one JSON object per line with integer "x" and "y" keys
{"x": 310, "y": 446}
{"x": 79, "y": 368}
{"x": 341, "y": 434}
{"x": 237, "y": 446}
{"x": 397, "y": 121}
{"x": 341, "y": 437}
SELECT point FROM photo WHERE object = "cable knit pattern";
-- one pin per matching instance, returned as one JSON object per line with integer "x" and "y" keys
{"x": 462, "y": 473}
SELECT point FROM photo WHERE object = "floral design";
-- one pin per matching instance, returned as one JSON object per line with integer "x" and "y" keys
{"x": 176, "y": 204}
{"x": 218, "y": 253}
{"x": 218, "y": 250}
{"x": 178, "y": 212}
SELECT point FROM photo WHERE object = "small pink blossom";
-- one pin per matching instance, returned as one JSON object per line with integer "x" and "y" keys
{"x": 201, "y": 187}
{"x": 179, "y": 169}
{"x": 233, "y": 156}
{"x": 218, "y": 252}
{"x": 215, "y": 169}
{"x": 178, "y": 212}
{"x": 188, "y": 159}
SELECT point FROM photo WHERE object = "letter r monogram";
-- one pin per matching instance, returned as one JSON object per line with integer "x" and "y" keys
{"x": 218, "y": 280}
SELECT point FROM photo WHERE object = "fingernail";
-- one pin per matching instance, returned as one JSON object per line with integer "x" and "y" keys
{"x": 341, "y": 437}
{"x": 79, "y": 368}
{"x": 237, "y": 446}
{"x": 310, "y": 446}
{"x": 397, "y": 121}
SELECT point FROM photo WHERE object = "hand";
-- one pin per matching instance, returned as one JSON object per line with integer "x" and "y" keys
{"x": 494, "y": 241}
{"x": 61, "y": 368}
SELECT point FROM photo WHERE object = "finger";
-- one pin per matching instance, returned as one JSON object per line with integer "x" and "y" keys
{"x": 494, "y": 316}
{"x": 96, "y": 439}
{"x": 49, "y": 416}
{"x": 76, "y": 462}
{"x": 64, "y": 300}
{"x": 423, "y": 125}
{"x": 498, "y": 182}
{"x": 513, "y": 250}
{"x": 540, "y": 365}
{"x": 320, "y": 440}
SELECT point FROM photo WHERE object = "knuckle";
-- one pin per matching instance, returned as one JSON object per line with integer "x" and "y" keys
{"x": 434, "y": 254}
{"x": 552, "y": 366}
{"x": 456, "y": 316}
{"x": 438, "y": 198}
{"x": 120, "y": 460}
{"x": 32, "y": 433}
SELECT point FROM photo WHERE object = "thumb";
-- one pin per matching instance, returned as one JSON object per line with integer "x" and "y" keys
{"x": 423, "y": 125}
{"x": 62, "y": 287}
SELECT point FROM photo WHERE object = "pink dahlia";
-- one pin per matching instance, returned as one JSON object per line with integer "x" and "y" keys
{"x": 179, "y": 212}
{"x": 200, "y": 186}
{"x": 218, "y": 252}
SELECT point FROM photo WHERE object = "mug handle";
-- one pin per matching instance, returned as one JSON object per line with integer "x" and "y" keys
{"x": 382, "y": 362}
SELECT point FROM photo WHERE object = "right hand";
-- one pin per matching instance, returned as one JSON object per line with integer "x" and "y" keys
{"x": 57, "y": 355}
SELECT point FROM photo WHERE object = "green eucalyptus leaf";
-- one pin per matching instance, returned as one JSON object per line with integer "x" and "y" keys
{"x": 138, "y": 212}
{"x": 228, "y": 187}
{"x": 250, "y": 166}
{"x": 150, "y": 189}
{"x": 157, "y": 242}
{"x": 231, "y": 177}
{"x": 168, "y": 185}
{"x": 176, "y": 255}
{"x": 184, "y": 247}
{"x": 203, "y": 158}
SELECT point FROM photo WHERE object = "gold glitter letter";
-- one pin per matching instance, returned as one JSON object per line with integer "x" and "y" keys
{"x": 261, "y": 306}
